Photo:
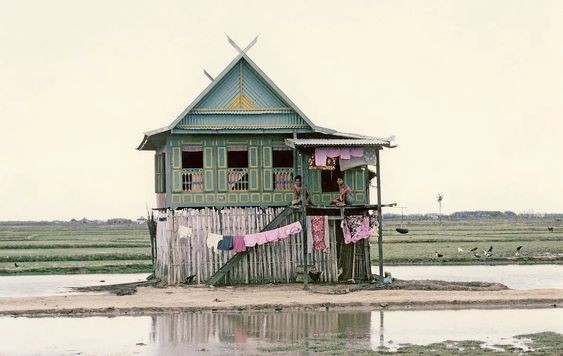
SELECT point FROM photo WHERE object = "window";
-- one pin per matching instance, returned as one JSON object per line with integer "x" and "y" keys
{"x": 282, "y": 158}
{"x": 237, "y": 159}
{"x": 192, "y": 159}
{"x": 237, "y": 164}
{"x": 282, "y": 163}
{"x": 328, "y": 178}
{"x": 192, "y": 169}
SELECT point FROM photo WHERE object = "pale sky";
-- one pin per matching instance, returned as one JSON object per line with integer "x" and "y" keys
{"x": 473, "y": 91}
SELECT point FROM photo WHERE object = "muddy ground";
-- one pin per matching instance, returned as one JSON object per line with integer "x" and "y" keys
{"x": 144, "y": 298}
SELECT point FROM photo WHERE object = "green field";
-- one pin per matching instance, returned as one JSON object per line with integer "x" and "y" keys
{"x": 76, "y": 248}
{"x": 426, "y": 237}
{"x": 85, "y": 248}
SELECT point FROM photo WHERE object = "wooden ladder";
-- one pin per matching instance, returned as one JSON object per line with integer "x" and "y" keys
{"x": 233, "y": 261}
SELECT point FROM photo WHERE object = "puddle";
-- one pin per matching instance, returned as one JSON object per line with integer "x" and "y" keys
{"x": 513, "y": 276}
{"x": 255, "y": 332}
{"x": 57, "y": 285}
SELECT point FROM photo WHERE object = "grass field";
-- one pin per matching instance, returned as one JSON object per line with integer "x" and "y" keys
{"x": 55, "y": 249}
{"x": 427, "y": 237}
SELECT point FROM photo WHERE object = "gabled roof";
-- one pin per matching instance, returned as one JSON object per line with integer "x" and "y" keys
{"x": 242, "y": 96}
{"x": 242, "y": 99}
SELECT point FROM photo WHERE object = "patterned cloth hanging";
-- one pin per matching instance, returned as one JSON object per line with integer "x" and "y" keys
{"x": 357, "y": 227}
{"x": 318, "y": 232}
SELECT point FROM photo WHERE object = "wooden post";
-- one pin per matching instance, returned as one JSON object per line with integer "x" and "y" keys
{"x": 379, "y": 215}
{"x": 304, "y": 190}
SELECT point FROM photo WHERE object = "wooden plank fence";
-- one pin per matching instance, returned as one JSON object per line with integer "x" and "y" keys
{"x": 274, "y": 262}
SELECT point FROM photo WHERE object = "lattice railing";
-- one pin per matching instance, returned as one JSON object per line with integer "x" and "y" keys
{"x": 237, "y": 178}
{"x": 192, "y": 180}
{"x": 283, "y": 178}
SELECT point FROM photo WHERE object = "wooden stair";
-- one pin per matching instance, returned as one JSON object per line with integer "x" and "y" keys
{"x": 233, "y": 261}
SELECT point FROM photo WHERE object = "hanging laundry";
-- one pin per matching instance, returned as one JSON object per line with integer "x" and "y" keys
{"x": 369, "y": 155}
{"x": 327, "y": 235}
{"x": 184, "y": 232}
{"x": 309, "y": 234}
{"x": 255, "y": 239}
{"x": 322, "y": 153}
{"x": 290, "y": 229}
{"x": 238, "y": 244}
{"x": 356, "y": 228}
{"x": 329, "y": 164}
{"x": 353, "y": 162}
{"x": 226, "y": 243}
{"x": 318, "y": 231}
{"x": 213, "y": 240}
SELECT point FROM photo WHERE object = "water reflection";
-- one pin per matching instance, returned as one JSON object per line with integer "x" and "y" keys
{"x": 254, "y": 332}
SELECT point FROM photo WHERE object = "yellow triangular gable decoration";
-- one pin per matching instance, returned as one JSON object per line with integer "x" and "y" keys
{"x": 241, "y": 101}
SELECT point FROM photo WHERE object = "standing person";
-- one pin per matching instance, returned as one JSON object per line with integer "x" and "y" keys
{"x": 298, "y": 190}
{"x": 345, "y": 193}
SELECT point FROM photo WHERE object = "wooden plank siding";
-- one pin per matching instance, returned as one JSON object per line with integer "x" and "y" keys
{"x": 275, "y": 262}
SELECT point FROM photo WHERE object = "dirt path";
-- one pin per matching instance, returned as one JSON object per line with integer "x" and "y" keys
{"x": 195, "y": 298}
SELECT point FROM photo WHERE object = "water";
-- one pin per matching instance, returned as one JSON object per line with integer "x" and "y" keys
{"x": 513, "y": 276}
{"x": 254, "y": 332}
{"x": 57, "y": 285}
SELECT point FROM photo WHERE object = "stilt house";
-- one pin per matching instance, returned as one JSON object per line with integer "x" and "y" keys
{"x": 226, "y": 165}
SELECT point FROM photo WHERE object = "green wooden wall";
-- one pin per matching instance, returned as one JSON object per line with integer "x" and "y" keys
{"x": 261, "y": 190}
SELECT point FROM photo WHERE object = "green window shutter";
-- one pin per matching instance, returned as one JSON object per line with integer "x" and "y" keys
{"x": 159, "y": 173}
{"x": 253, "y": 157}
{"x": 267, "y": 181}
{"x": 267, "y": 172}
{"x": 176, "y": 157}
{"x": 222, "y": 169}
{"x": 253, "y": 176}
{"x": 253, "y": 180}
{"x": 267, "y": 157}
{"x": 221, "y": 157}
{"x": 361, "y": 180}
{"x": 176, "y": 180}
{"x": 315, "y": 180}
{"x": 208, "y": 180}
{"x": 208, "y": 176}
{"x": 208, "y": 158}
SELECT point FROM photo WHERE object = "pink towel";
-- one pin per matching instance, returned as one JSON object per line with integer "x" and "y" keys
{"x": 238, "y": 244}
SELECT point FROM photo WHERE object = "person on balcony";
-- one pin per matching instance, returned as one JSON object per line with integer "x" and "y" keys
{"x": 344, "y": 194}
{"x": 299, "y": 190}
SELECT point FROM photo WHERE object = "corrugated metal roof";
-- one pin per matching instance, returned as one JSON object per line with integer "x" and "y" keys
{"x": 332, "y": 142}
{"x": 267, "y": 120}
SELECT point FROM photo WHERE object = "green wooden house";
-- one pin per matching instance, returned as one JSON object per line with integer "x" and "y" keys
{"x": 239, "y": 144}
{"x": 228, "y": 148}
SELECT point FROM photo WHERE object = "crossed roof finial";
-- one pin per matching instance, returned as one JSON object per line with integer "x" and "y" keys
{"x": 236, "y": 46}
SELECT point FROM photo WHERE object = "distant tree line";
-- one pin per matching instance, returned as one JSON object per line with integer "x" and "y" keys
{"x": 475, "y": 214}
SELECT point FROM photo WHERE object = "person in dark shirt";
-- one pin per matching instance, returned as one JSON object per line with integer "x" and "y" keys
{"x": 298, "y": 190}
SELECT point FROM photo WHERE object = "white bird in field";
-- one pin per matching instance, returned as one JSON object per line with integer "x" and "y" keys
{"x": 459, "y": 249}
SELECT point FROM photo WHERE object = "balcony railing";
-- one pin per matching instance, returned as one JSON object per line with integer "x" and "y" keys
{"x": 283, "y": 178}
{"x": 237, "y": 179}
{"x": 192, "y": 180}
